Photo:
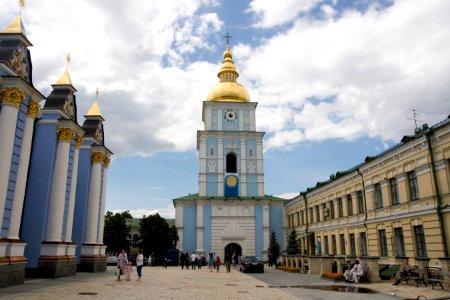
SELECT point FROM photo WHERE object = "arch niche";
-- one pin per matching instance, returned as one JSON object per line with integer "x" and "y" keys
{"x": 233, "y": 249}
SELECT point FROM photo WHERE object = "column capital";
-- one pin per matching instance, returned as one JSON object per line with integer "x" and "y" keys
{"x": 33, "y": 109}
{"x": 12, "y": 96}
{"x": 107, "y": 161}
{"x": 78, "y": 141}
{"x": 97, "y": 157}
{"x": 65, "y": 134}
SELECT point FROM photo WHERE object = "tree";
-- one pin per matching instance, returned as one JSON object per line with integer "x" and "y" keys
{"x": 292, "y": 247}
{"x": 157, "y": 237}
{"x": 274, "y": 247}
{"x": 116, "y": 233}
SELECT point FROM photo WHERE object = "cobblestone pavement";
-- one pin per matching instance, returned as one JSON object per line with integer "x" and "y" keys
{"x": 174, "y": 283}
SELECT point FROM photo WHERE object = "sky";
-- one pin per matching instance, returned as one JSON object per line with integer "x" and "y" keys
{"x": 335, "y": 81}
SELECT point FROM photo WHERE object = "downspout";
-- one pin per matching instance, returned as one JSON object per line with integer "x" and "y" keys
{"x": 363, "y": 195}
{"x": 307, "y": 223}
{"x": 438, "y": 193}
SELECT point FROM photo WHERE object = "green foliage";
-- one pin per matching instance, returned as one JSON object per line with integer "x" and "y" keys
{"x": 116, "y": 234}
{"x": 157, "y": 236}
{"x": 274, "y": 247}
{"x": 292, "y": 247}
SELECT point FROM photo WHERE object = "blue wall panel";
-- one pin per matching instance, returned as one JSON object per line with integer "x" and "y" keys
{"x": 211, "y": 185}
{"x": 190, "y": 228}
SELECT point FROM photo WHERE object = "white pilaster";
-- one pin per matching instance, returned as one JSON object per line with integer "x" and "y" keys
{"x": 242, "y": 175}
{"x": 260, "y": 171}
{"x": 202, "y": 167}
{"x": 200, "y": 229}
{"x": 219, "y": 119}
{"x": 73, "y": 185}
{"x": 11, "y": 100}
{"x": 102, "y": 208}
{"x": 58, "y": 186}
{"x": 90, "y": 236}
{"x": 220, "y": 169}
{"x": 266, "y": 231}
{"x": 22, "y": 172}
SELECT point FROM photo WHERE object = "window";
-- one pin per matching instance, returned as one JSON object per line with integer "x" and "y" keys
{"x": 231, "y": 163}
{"x": 326, "y": 245}
{"x": 302, "y": 218}
{"x": 399, "y": 242}
{"x": 363, "y": 244}
{"x": 378, "y": 196}
{"x": 394, "y": 191}
{"x": 333, "y": 244}
{"x": 382, "y": 242}
{"x": 352, "y": 245}
{"x": 361, "y": 206}
{"x": 413, "y": 188}
{"x": 420, "y": 241}
{"x": 211, "y": 151}
{"x": 340, "y": 208}
{"x": 342, "y": 242}
{"x": 250, "y": 152}
{"x": 350, "y": 205}
{"x": 325, "y": 212}
{"x": 298, "y": 218}
{"x": 332, "y": 210}
{"x": 317, "y": 213}
{"x": 311, "y": 215}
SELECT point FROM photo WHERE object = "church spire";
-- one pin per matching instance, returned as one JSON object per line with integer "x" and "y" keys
{"x": 64, "y": 79}
{"x": 94, "y": 111}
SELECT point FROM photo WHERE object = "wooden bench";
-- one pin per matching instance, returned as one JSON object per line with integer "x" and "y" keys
{"x": 435, "y": 276}
{"x": 417, "y": 275}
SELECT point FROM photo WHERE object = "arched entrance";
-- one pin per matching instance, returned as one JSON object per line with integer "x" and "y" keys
{"x": 233, "y": 249}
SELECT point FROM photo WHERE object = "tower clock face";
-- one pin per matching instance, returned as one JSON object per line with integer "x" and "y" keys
{"x": 231, "y": 180}
{"x": 230, "y": 115}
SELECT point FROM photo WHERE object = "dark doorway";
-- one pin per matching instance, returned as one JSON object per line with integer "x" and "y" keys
{"x": 233, "y": 249}
{"x": 231, "y": 163}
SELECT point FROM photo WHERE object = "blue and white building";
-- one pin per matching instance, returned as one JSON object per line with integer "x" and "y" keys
{"x": 230, "y": 213}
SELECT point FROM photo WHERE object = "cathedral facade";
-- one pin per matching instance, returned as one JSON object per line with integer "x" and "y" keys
{"x": 53, "y": 172}
{"x": 230, "y": 213}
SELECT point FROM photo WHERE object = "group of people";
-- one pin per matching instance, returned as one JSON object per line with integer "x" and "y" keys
{"x": 353, "y": 272}
{"x": 125, "y": 267}
{"x": 194, "y": 260}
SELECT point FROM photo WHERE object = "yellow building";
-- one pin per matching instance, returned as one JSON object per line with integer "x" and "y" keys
{"x": 393, "y": 205}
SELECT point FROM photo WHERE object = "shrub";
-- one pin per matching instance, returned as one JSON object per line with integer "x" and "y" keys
{"x": 331, "y": 275}
{"x": 288, "y": 268}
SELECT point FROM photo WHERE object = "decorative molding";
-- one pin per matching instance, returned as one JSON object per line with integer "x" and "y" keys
{"x": 78, "y": 141}
{"x": 12, "y": 96}
{"x": 33, "y": 109}
{"x": 107, "y": 160}
{"x": 97, "y": 157}
{"x": 65, "y": 134}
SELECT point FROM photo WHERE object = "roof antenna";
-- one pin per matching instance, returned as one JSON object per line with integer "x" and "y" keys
{"x": 415, "y": 114}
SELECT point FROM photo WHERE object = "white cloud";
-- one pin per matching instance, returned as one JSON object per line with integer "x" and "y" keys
{"x": 287, "y": 195}
{"x": 273, "y": 13}
{"x": 167, "y": 212}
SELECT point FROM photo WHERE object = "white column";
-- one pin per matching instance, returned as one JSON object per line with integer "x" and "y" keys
{"x": 266, "y": 232}
{"x": 220, "y": 167}
{"x": 73, "y": 189}
{"x": 102, "y": 208}
{"x": 179, "y": 225}
{"x": 200, "y": 229}
{"x": 55, "y": 217}
{"x": 259, "y": 161}
{"x": 90, "y": 236}
{"x": 202, "y": 166}
{"x": 22, "y": 172}
{"x": 11, "y": 99}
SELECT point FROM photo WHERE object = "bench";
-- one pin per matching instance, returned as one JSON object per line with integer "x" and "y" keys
{"x": 417, "y": 275}
{"x": 388, "y": 271}
{"x": 363, "y": 277}
{"x": 435, "y": 276}
{"x": 304, "y": 268}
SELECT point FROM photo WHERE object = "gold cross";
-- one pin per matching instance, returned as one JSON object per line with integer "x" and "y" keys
{"x": 228, "y": 37}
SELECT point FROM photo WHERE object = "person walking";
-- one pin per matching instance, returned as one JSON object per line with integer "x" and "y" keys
{"x": 182, "y": 260}
{"x": 187, "y": 261}
{"x": 217, "y": 263}
{"x": 228, "y": 262}
{"x": 122, "y": 261}
{"x": 193, "y": 260}
{"x": 139, "y": 264}
{"x": 211, "y": 261}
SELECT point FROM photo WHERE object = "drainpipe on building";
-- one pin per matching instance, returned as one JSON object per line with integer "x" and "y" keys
{"x": 307, "y": 223}
{"x": 364, "y": 196}
{"x": 438, "y": 193}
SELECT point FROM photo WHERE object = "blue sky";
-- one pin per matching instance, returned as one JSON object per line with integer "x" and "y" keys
{"x": 335, "y": 81}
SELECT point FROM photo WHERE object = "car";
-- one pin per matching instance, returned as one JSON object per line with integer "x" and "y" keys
{"x": 111, "y": 258}
{"x": 251, "y": 263}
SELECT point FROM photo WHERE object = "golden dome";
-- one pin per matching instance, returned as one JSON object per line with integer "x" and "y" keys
{"x": 228, "y": 89}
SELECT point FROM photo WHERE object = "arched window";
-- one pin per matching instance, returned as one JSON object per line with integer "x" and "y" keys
{"x": 211, "y": 151}
{"x": 250, "y": 152}
{"x": 231, "y": 163}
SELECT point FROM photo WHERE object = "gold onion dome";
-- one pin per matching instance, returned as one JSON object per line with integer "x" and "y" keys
{"x": 228, "y": 89}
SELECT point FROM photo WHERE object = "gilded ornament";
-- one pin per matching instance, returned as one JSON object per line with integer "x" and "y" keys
{"x": 107, "y": 161}
{"x": 97, "y": 157}
{"x": 33, "y": 109}
{"x": 65, "y": 134}
{"x": 12, "y": 96}
{"x": 78, "y": 141}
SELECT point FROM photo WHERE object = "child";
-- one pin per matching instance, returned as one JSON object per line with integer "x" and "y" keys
{"x": 217, "y": 263}
{"x": 128, "y": 271}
